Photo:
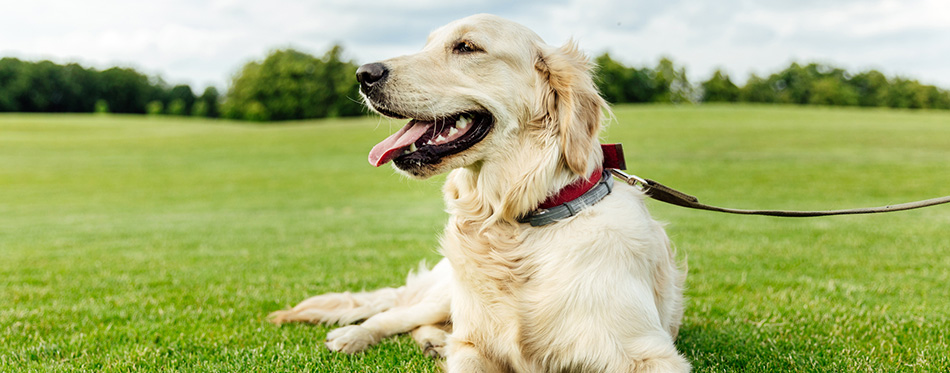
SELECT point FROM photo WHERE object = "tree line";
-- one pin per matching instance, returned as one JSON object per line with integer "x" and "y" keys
{"x": 52, "y": 88}
{"x": 290, "y": 84}
{"x": 812, "y": 84}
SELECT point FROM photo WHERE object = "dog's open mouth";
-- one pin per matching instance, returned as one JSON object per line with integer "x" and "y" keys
{"x": 428, "y": 141}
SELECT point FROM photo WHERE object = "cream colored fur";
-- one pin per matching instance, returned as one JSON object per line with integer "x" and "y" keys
{"x": 597, "y": 292}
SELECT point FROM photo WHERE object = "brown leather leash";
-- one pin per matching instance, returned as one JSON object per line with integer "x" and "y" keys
{"x": 669, "y": 195}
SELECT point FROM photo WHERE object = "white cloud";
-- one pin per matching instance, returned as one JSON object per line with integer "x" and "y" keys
{"x": 908, "y": 38}
{"x": 205, "y": 41}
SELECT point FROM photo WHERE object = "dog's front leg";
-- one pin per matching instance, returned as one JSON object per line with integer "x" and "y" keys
{"x": 463, "y": 357}
{"x": 425, "y": 300}
{"x": 354, "y": 338}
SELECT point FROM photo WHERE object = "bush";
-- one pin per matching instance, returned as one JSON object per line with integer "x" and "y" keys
{"x": 102, "y": 107}
{"x": 199, "y": 109}
{"x": 256, "y": 112}
{"x": 154, "y": 107}
{"x": 176, "y": 107}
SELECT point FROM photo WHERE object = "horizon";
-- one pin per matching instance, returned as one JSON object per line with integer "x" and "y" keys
{"x": 205, "y": 43}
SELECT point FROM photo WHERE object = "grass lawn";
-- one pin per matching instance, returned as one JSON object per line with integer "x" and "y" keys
{"x": 160, "y": 244}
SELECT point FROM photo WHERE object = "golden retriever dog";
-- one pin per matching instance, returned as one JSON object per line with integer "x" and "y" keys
{"x": 514, "y": 122}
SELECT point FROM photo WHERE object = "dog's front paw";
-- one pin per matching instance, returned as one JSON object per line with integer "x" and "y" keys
{"x": 350, "y": 339}
{"x": 432, "y": 340}
{"x": 435, "y": 351}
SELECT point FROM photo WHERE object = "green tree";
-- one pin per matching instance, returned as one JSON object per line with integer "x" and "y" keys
{"x": 613, "y": 79}
{"x": 340, "y": 78}
{"x": 13, "y": 83}
{"x": 180, "y": 100}
{"x": 210, "y": 100}
{"x": 937, "y": 98}
{"x": 126, "y": 90}
{"x": 792, "y": 85}
{"x": 49, "y": 87}
{"x": 902, "y": 93}
{"x": 81, "y": 90}
{"x": 154, "y": 107}
{"x": 757, "y": 89}
{"x": 290, "y": 84}
{"x": 672, "y": 83}
{"x": 199, "y": 109}
{"x": 871, "y": 87}
{"x": 619, "y": 83}
{"x": 830, "y": 90}
{"x": 719, "y": 88}
{"x": 102, "y": 107}
{"x": 176, "y": 107}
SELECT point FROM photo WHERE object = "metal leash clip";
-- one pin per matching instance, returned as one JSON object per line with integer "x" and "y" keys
{"x": 633, "y": 180}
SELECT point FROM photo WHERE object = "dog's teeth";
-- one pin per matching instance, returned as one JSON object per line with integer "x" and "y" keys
{"x": 453, "y": 131}
{"x": 440, "y": 138}
{"x": 412, "y": 147}
{"x": 463, "y": 122}
{"x": 429, "y": 142}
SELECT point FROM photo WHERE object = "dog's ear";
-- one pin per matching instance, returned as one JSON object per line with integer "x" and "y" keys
{"x": 568, "y": 103}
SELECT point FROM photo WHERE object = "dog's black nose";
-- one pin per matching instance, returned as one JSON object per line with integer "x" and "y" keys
{"x": 371, "y": 74}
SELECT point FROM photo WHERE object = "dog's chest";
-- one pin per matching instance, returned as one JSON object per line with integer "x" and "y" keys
{"x": 486, "y": 259}
{"x": 510, "y": 303}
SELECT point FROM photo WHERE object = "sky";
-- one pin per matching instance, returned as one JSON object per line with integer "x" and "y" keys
{"x": 205, "y": 42}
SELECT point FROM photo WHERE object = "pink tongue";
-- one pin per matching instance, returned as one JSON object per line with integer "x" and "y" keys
{"x": 393, "y": 145}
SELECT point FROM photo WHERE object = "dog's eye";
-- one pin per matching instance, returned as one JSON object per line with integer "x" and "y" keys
{"x": 465, "y": 47}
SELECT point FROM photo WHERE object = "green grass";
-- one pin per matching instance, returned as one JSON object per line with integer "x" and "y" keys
{"x": 160, "y": 244}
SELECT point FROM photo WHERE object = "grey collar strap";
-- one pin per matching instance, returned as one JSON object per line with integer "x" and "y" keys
{"x": 547, "y": 216}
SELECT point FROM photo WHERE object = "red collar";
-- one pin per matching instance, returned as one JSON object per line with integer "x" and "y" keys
{"x": 613, "y": 158}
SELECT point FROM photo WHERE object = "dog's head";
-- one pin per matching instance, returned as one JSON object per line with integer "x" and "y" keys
{"x": 481, "y": 87}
